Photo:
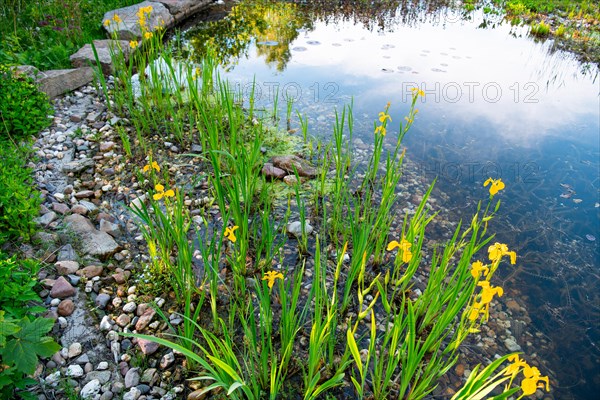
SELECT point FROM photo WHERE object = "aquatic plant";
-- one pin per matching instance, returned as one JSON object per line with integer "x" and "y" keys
{"x": 363, "y": 322}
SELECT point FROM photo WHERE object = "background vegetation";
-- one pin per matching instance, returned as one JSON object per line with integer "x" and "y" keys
{"x": 45, "y": 33}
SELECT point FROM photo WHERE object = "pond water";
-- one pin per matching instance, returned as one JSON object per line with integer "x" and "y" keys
{"x": 497, "y": 104}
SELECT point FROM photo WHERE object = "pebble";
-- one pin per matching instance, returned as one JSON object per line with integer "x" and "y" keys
{"x": 129, "y": 307}
{"x": 167, "y": 360}
{"x": 74, "y": 371}
{"x": 62, "y": 288}
{"x": 101, "y": 301}
{"x": 123, "y": 320}
{"x": 295, "y": 228}
{"x": 75, "y": 349}
{"x": 105, "y": 324}
{"x": 66, "y": 308}
{"x": 132, "y": 378}
{"x": 62, "y": 322}
{"x": 133, "y": 394}
{"x": 53, "y": 378}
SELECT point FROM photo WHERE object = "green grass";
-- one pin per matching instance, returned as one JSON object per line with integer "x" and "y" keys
{"x": 45, "y": 33}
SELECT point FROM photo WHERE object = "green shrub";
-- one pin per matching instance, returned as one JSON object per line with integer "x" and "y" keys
{"x": 19, "y": 201}
{"x": 22, "y": 334}
{"x": 18, "y": 279}
{"x": 24, "y": 109}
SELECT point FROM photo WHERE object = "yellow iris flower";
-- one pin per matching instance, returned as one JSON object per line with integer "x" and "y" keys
{"x": 384, "y": 116}
{"x": 533, "y": 380}
{"x": 133, "y": 44}
{"x": 148, "y": 35}
{"x": 477, "y": 268}
{"x": 405, "y": 246}
{"x": 496, "y": 185}
{"x": 498, "y": 250}
{"x": 417, "y": 92}
{"x": 271, "y": 276}
{"x": 229, "y": 233}
{"x": 381, "y": 130}
{"x": 153, "y": 165}
{"x": 117, "y": 19}
{"x": 160, "y": 192}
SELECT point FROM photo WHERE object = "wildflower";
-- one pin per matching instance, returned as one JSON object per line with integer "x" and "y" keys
{"x": 154, "y": 165}
{"x": 160, "y": 192}
{"x": 409, "y": 120}
{"x": 488, "y": 292}
{"x": 498, "y": 250}
{"x": 514, "y": 368}
{"x": 148, "y": 35}
{"x": 477, "y": 268}
{"x": 106, "y": 22}
{"x": 133, "y": 44}
{"x": 229, "y": 233}
{"x": 197, "y": 73}
{"x": 474, "y": 311}
{"x": 404, "y": 248}
{"x": 381, "y": 130}
{"x": 384, "y": 116}
{"x": 417, "y": 92}
{"x": 271, "y": 276}
{"x": 496, "y": 186}
{"x": 117, "y": 19}
{"x": 533, "y": 380}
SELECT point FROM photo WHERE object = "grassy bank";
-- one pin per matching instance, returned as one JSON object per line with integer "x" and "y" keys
{"x": 573, "y": 24}
{"x": 330, "y": 308}
{"x": 45, "y": 33}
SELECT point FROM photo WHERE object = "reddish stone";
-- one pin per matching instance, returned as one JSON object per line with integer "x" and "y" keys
{"x": 147, "y": 346}
{"x": 62, "y": 289}
{"x": 145, "y": 319}
{"x": 66, "y": 308}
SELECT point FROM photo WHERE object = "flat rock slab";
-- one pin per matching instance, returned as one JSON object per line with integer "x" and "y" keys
{"x": 105, "y": 49}
{"x": 129, "y": 27}
{"x": 60, "y": 81}
{"x": 93, "y": 242}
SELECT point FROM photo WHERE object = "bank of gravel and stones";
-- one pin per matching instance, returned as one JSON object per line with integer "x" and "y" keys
{"x": 94, "y": 257}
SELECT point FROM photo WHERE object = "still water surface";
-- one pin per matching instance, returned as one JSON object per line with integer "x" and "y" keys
{"x": 497, "y": 104}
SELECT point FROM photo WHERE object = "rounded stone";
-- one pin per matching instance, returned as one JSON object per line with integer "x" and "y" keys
{"x": 66, "y": 308}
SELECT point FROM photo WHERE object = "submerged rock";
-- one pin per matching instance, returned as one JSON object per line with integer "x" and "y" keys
{"x": 290, "y": 163}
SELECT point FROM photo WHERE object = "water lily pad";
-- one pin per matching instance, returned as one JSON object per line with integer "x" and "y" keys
{"x": 336, "y": 44}
{"x": 404, "y": 68}
{"x": 313, "y": 42}
{"x": 299, "y": 48}
{"x": 387, "y": 70}
{"x": 591, "y": 238}
{"x": 437, "y": 70}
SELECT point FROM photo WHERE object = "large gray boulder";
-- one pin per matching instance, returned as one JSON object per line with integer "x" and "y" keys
{"x": 181, "y": 9}
{"x": 93, "y": 242}
{"x": 129, "y": 28}
{"x": 105, "y": 50}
